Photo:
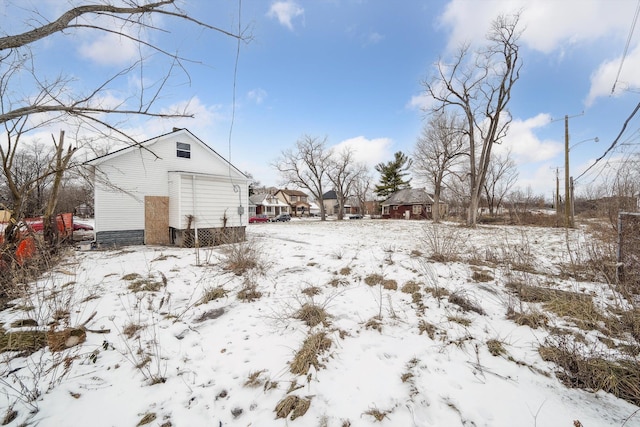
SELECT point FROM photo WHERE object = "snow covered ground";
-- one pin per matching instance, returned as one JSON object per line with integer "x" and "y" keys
{"x": 387, "y": 357}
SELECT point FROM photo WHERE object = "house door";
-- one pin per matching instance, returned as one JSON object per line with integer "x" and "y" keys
{"x": 156, "y": 220}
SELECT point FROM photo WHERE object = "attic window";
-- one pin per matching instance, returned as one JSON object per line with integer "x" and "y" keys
{"x": 183, "y": 150}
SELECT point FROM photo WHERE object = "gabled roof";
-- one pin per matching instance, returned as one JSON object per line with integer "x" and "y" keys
{"x": 330, "y": 195}
{"x": 408, "y": 196}
{"x": 146, "y": 144}
{"x": 266, "y": 200}
{"x": 293, "y": 192}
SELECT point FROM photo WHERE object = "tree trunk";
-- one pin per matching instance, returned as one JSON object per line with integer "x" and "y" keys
{"x": 49, "y": 221}
{"x": 435, "y": 209}
{"x": 340, "y": 213}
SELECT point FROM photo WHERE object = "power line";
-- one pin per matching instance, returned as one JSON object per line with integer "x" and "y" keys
{"x": 626, "y": 47}
{"x": 615, "y": 141}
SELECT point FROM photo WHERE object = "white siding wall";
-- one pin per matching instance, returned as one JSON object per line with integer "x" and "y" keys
{"x": 119, "y": 204}
{"x": 141, "y": 172}
{"x": 215, "y": 198}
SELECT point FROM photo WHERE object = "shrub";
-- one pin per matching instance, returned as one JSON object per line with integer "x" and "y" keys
{"x": 212, "y": 294}
{"x": 312, "y": 315}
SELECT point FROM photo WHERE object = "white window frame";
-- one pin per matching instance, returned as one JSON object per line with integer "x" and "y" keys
{"x": 183, "y": 150}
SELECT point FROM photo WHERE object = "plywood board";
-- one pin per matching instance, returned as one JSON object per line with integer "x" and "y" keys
{"x": 156, "y": 220}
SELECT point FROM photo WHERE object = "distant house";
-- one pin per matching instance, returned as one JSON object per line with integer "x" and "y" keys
{"x": 410, "y": 203}
{"x": 314, "y": 209}
{"x": 171, "y": 189}
{"x": 330, "y": 201}
{"x": 270, "y": 205}
{"x": 297, "y": 200}
{"x": 372, "y": 207}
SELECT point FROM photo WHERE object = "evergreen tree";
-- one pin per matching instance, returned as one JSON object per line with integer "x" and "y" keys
{"x": 392, "y": 175}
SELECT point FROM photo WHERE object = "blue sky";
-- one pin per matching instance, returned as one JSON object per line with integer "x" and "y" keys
{"x": 351, "y": 71}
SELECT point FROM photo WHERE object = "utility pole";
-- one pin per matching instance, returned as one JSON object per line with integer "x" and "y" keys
{"x": 557, "y": 191}
{"x": 567, "y": 203}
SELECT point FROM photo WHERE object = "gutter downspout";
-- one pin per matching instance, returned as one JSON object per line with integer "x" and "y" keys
{"x": 193, "y": 203}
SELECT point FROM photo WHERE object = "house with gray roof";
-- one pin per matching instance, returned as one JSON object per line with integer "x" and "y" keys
{"x": 410, "y": 203}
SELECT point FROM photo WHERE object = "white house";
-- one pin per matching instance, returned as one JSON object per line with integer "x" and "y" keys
{"x": 267, "y": 204}
{"x": 172, "y": 189}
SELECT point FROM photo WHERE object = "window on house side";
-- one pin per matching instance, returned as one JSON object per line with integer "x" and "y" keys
{"x": 183, "y": 150}
{"x": 417, "y": 209}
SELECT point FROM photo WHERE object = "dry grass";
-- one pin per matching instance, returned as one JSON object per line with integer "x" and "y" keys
{"x": 130, "y": 277}
{"x": 292, "y": 405}
{"x": 345, "y": 271}
{"x": 622, "y": 322}
{"x": 26, "y": 342}
{"x": 410, "y": 287}
{"x": 311, "y": 291}
{"x": 212, "y": 294}
{"x": 496, "y": 347}
{"x": 533, "y": 318}
{"x": 576, "y": 306}
{"x": 529, "y": 293}
{"x": 147, "y": 284}
{"x": 131, "y": 329}
{"x": 312, "y": 315}
{"x": 374, "y": 323}
{"x": 437, "y": 292}
{"x": 338, "y": 281}
{"x": 482, "y": 276}
{"x": 428, "y": 328}
{"x": 460, "y": 320}
{"x": 374, "y": 279}
{"x": 242, "y": 257}
{"x": 254, "y": 379}
{"x": 309, "y": 353}
{"x": 461, "y": 300}
{"x": 148, "y": 418}
{"x": 390, "y": 284}
{"x": 618, "y": 377}
{"x": 10, "y": 415}
{"x": 377, "y": 414}
{"x": 249, "y": 293}
{"x": 442, "y": 241}
{"x": 582, "y": 311}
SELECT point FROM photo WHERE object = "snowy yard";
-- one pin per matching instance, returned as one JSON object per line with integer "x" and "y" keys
{"x": 353, "y": 318}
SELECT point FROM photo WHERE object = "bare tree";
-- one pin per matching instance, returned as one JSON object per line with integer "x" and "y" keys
{"x": 307, "y": 166}
{"x": 26, "y": 186}
{"x": 362, "y": 189}
{"x": 521, "y": 202}
{"x": 52, "y": 98}
{"x": 623, "y": 189}
{"x": 343, "y": 174}
{"x": 479, "y": 87}
{"x": 501, "y": 177}
{"x": 437, "y": 152}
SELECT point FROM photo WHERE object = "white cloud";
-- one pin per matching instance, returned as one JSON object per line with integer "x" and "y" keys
{"x": 548, "y": 25}
{"x": 285, "y": 12}
{"x": 555, "y": 27}
{"x": 206, "y": 120}
{"x": 603, "y": 78}
{"x": 525, "y": 146}
{"x": 257, "y": 95}
{"x": 420, "y": 102}
{"x": 367, "y": 151}
{"x": 109, "y": 49}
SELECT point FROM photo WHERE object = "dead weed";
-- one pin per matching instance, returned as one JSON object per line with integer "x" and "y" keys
{"x": 309, "y": 353}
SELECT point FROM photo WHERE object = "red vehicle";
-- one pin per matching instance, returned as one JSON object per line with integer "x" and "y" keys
{"x": 258, "y": 218}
